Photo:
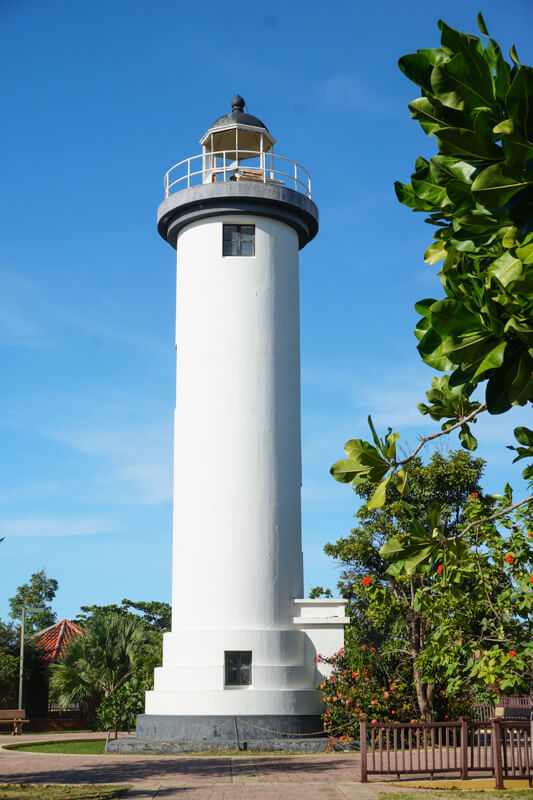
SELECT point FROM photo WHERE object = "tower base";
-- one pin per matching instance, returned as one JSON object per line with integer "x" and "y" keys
{"x": 168, "y": 733}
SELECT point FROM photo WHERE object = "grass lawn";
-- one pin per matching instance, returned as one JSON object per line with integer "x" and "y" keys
{"x": 445, "y": 794}
{"x": 74, "y": 746}
{"x": 17, "y": 791}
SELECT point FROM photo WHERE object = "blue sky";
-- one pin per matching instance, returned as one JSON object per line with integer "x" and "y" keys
{"x": 99, "y": 100}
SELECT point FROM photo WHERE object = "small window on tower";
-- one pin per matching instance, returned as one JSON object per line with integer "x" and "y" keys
{"x": 238, "y": 240}
{"x": 237, "y": 668}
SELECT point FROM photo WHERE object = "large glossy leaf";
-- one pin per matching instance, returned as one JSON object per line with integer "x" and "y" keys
{"x": 492, "y": 360}
{"x": 435, "y": 252}
{"x": 519, "y": 100}
{"x": 450, "y": 317}
{"x": 471, "y": 49}
{"x": 497, "y": 184}
{"x": 464, "y": 143}
{"x": 456, "y": 87}
{"x": 506, "y": 268}
{"x": 430, "y": 192}
{"x": 524, "y": 436}
{"x": 378, "y": 497}
{"x": 417, "y": 68}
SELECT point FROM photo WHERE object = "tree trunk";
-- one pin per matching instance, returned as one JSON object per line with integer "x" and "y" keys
{"x": 424, "y": 692}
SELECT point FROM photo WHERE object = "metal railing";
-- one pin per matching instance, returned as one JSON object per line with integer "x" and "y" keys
{"x": 219, "y": 167}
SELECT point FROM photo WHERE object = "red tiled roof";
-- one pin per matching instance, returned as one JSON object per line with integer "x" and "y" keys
{"x": 53, "y": 641}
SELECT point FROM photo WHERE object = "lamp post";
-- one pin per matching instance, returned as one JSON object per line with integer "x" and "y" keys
{"x": 30, "y": 610}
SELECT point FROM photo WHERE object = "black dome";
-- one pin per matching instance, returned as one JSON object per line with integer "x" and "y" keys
{"x": 238, "y": 117}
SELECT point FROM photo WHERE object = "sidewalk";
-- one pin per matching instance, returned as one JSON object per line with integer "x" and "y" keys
{"x": 302, "y": 777}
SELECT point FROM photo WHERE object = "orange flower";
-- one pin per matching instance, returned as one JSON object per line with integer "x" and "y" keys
{"x": 474, "y": 495}
{"x": 512, "y": 653}
{"x": 440, "y": 568}
{"x": 531, "y": 578}
{"x": 367, "y": 580}
{"x": 509, "y": 558}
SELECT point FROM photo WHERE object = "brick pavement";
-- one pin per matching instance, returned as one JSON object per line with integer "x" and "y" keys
{"x": 302, "y": 777}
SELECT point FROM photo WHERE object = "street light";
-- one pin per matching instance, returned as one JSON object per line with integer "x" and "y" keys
{"x": 30, "y": 610}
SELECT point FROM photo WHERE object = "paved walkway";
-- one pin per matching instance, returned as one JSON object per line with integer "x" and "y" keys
{"x": 303, "y": 777}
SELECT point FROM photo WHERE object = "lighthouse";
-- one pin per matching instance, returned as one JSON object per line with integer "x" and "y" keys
{"x": 244, "y": 640}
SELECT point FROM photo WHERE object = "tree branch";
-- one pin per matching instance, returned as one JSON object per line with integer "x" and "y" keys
{"x": 482, "y": 406}
{"x": 501, "y": 513}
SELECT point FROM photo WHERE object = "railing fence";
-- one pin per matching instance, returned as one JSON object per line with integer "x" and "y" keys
{"x": 499, "y": 747}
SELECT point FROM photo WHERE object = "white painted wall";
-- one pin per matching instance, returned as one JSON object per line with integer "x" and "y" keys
{"x": 237, "y": 562}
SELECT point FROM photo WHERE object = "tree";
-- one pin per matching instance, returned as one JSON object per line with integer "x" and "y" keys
{"x": 395, "y": 625}
{"x": 463, "y": 624}
{"x": 478, "y": 193}
{"x": 154, "y": 617}
{"x": 9, "y": 663}
{"x": 155, "y": 614}
{"x": 98, "y": 664}
{"x": 39, "y": 592}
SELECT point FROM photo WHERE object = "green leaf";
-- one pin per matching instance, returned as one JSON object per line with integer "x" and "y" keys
{"x": 378, "y": 497}
{"x": 417, "y": 68}
{"x": 497, "y": 184}
{"x": 343, "y": 470}
{"x": 391, "y": 548}
{"x": 492, "y": 360}
{"x": 507, "y": 127}
{"x": 376, "y": 438}
{"x": 468, "y": 440}
{"x": 476, "y": 73}
{"x": 429, "y": 192}
{"x": 524, "y": 436}
{"x": 423, "y": 556}
{"x": 450, "y": 317}
{"x": 401, "y": 480}
{"x": 461, "y": 142}
{"x": 434, "y": 253}
{"x": 506, "y": 268}
{"x": 514, "y": 55}
{"x": 481, "y": 24}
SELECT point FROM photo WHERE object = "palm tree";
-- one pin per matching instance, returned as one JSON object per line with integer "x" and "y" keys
{"x": 99, "y": 663}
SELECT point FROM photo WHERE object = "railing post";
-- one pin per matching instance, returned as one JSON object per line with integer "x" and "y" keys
{"x": 188, "y": 173}
{"x": 295, "y": 178}
{"x": 497, "y": 754}
{"x": 464, "y": 748}
{"x": 224, "y": 164}
{"x": 362, "y": 748}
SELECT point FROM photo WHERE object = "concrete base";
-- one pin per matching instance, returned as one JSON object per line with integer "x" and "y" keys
{"x": 159, "y": 747}
{"x": 179, "y": 728}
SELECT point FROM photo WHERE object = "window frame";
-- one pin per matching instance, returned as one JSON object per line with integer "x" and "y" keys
{"x": 239, "y": 667}
{"x": 238, "y": 239}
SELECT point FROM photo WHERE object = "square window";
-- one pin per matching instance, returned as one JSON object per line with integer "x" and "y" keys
{"x": 238, "y": 240}
{"x": 237, "y": 667}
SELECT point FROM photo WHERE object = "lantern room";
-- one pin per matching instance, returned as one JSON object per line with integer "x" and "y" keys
{"x": 238, "y": 135}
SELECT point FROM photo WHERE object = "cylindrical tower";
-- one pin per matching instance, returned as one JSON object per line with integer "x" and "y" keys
{"x": 242, "y": 642}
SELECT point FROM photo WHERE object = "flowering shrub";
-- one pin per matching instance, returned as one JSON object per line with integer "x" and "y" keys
{"x": 358, "y": 688}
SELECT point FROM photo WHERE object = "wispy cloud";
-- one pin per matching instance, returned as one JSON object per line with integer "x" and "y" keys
{"x": 56, "y": 526}
{"x": 18, "y": 326}
{"x": 136, "y": 461}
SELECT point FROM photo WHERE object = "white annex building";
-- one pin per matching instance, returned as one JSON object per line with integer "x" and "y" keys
{"x": 243, "y": 638}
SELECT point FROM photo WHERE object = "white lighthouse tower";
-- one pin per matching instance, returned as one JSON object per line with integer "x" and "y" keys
{"x": 243, "y": 639}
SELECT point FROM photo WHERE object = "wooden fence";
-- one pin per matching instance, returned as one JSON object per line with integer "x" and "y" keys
{"x": 501, "y": 748}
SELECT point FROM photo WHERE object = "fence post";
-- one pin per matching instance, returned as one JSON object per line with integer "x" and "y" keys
{"x": 496, "y": 754}
{"x": 464, "y": 748}
{"x": 362, "y": 747}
